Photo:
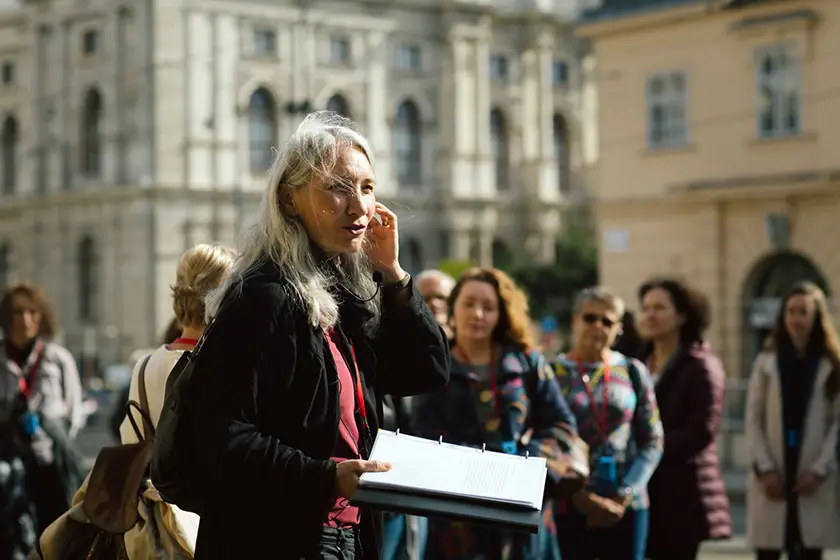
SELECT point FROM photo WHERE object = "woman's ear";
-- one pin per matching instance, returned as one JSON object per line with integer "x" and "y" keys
{"x": 287, "y": 202}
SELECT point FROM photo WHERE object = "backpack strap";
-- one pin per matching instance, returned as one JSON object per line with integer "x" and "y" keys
{"x": 142, "y": 407}
{"x": 141, "y": 383}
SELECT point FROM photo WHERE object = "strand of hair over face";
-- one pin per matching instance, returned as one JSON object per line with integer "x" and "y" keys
{"x": 282, "y": 240}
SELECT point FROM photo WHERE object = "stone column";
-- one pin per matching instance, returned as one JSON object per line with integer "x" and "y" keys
{"x": 378, "y": 107}
{"x": 485, "y": 247}
{"x": 481, "y": 109}
{"x": 456, "y": 135}
{"x": 461, "y": 244}
{"x": 549, "y": 184}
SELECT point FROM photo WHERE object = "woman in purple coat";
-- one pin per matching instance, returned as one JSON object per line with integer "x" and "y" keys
{"x": 688, "y": 502}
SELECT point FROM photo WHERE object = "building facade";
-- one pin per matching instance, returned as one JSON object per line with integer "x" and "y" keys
{"x": 132, "y": 130}
{"x": 718, "y": 153}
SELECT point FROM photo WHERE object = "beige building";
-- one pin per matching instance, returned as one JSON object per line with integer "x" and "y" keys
{"x": 719, "y": 153}
{"x": 134, "y": 129}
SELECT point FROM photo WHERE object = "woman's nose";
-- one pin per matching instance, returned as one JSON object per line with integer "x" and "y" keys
{"x": 358, "y": 204}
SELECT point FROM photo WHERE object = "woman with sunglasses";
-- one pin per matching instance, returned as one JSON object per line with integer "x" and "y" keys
{"x": 612, "y": 399}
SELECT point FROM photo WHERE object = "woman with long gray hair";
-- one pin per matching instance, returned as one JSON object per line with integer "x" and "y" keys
{"x": 314, "y": 324}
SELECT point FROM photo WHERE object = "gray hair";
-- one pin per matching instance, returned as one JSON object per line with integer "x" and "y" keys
{"x": 310, "y": 154}
{"x": 601, "y": 295}
{"x": 446, "y": 281}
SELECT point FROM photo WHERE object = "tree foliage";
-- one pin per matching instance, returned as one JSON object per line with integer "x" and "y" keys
{"x": 455, "y": 268}
{"x": 552, "y": 287}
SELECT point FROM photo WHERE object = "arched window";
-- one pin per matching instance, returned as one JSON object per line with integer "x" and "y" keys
{"x": 88, "y": 268}
{"x": 338, "y": 104}
{"x": 91, "y": 134}
{"x": 561, "y": 152}
{"x": 5, "y": 265}
{"x": 500, "y": 147}
{"x": 262, "y": 130}
{"x": 9, "y": 140}
{"x": 407, "y": 143}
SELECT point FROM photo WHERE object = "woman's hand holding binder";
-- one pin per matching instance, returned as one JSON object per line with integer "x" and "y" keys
{"x": 347, "y": 474}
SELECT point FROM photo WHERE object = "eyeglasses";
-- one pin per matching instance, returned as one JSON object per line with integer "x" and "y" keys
{"x": 592, "y": 318}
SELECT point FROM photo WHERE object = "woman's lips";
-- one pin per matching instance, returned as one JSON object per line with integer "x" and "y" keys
{"x": 355, "y": 230}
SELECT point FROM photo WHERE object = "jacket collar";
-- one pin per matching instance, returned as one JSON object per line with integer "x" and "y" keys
{"x": 685, "y": 352}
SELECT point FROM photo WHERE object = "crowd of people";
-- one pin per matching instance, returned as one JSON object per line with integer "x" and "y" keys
{"x": 299, "y": 346}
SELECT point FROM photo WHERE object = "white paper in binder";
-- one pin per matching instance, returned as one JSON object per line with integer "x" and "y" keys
{"x": 431, "y": 467}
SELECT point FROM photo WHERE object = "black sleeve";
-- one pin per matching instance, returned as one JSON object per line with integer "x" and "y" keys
{"x": 412, "y": 352}
{"x": 252, "y": 350}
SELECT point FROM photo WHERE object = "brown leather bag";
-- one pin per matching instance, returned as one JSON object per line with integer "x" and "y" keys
{"x": 94, "y": 528}
{"x": 575, "y": 468}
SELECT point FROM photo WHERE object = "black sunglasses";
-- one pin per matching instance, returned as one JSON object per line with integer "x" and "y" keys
{"x": 592, "y": 318}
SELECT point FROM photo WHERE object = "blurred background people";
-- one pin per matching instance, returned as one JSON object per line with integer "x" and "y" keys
{"x": 629, "y": 342}
{"x": 792, "y": 425}
{"x": 40, "y": 415}
{"x": 200, "y": 270}
{"x": 404, "y": 536}
{"x": 688, "y": 501}
{"x": 435, "y": 287}
{"x": 614, "y": 405}
{"x": 500, "y": 388}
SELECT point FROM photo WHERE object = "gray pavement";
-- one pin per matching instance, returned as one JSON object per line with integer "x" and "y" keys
{"x": 736, "y": 548}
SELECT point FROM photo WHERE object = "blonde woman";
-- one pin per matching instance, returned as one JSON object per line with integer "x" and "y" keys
{"x": 791, "y": 429}
{"x": 200, "y": 270}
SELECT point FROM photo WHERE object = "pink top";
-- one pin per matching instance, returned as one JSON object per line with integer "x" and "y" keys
{"x": 344, "y": 515}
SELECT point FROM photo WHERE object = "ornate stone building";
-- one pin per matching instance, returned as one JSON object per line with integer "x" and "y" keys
{"x": 132, "y": 130}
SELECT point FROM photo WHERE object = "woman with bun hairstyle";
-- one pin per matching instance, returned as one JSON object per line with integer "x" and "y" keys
{"x": 200, "y": 270}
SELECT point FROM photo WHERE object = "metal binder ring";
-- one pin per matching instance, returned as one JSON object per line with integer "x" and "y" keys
{"x": 483, "y": 447}
{"x": 440, "y": 440}
{"x": 397, "y": 432}
{"x": 527, "y": 453}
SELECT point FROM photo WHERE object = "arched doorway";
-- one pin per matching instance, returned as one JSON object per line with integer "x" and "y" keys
{"x": 773, "y": 276}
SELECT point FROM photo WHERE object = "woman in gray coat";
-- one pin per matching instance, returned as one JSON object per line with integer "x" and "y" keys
{"x": 40, "y": 414}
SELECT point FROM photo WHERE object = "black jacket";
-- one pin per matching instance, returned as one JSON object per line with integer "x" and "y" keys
{"x": 266, "y": 412}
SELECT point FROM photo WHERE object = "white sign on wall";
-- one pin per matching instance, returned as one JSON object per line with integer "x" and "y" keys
{"x": 616, "y": 240}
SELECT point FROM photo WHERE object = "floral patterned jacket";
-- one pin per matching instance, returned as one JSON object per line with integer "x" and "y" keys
{"x": 635, "y": 434}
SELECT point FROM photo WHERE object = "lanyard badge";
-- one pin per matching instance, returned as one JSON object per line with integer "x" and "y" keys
{"x": 601, "y": 416}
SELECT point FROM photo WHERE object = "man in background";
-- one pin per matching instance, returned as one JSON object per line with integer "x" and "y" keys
{"x": 404, "y": 536}
{"x": 435, "y": 287}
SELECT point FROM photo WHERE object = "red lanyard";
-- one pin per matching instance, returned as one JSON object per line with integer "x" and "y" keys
{"x": 492, "y": 371}
{"x": 604, "y": 416}
{"x": 33, "y": 371}
{"x": 360, "y": 395}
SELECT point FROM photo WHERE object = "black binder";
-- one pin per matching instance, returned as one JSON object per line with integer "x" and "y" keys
{"x": 514, "y": 518}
